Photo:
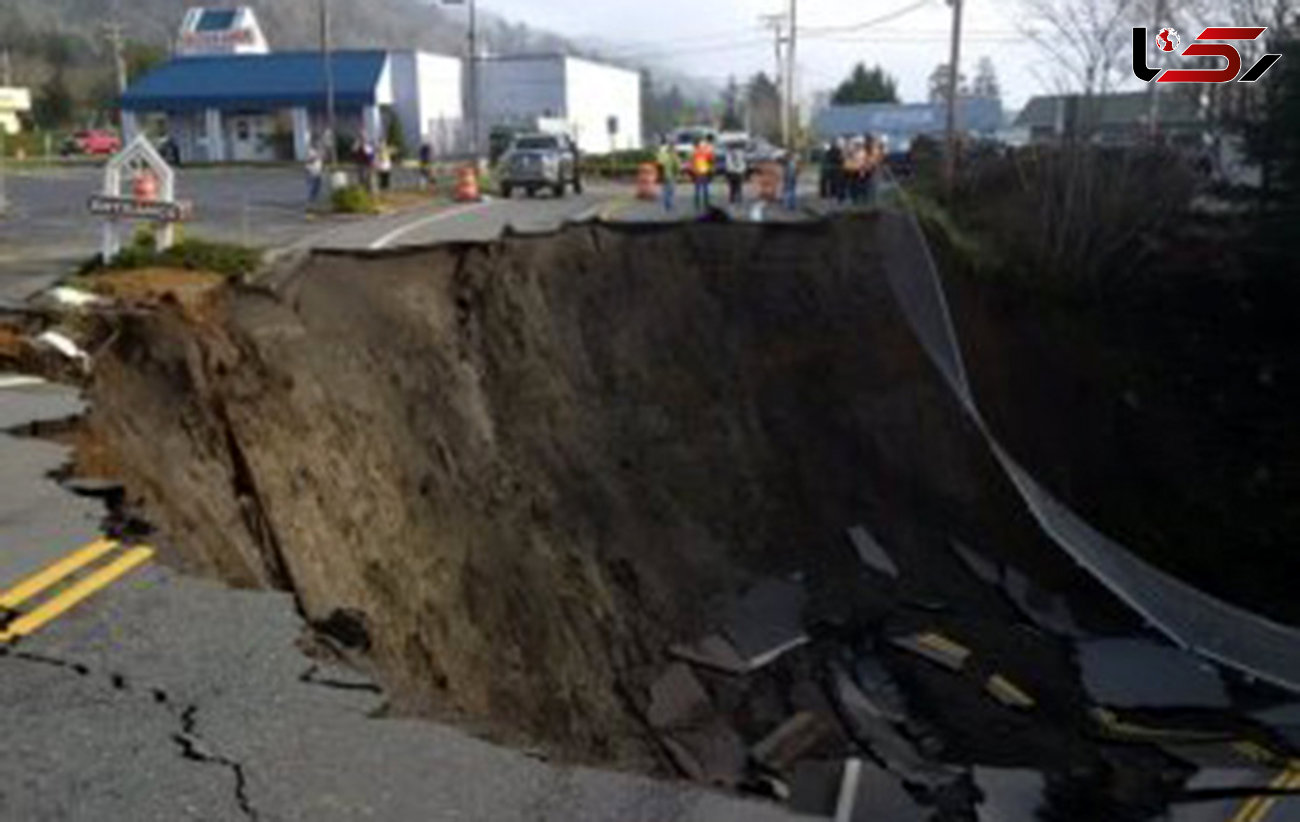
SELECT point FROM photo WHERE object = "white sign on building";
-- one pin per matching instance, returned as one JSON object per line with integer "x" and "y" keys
{"x": 221, "y": 31}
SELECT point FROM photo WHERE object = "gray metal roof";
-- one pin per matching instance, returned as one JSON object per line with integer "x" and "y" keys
{"x": 1110, "y": 109}
{"x": 979, "y": 115}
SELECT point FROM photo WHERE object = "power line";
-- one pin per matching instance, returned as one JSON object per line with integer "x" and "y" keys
{"x": 884, "y": 18}
{"x": 673, "y": 52}
{"x": 728, "y": 39}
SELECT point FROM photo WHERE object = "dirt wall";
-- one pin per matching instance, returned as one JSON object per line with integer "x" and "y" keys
{"x": 530, "y": 465}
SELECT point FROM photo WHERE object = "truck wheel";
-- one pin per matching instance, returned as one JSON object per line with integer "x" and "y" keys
{"x": 532, "y": 191}
{"x": 558, "y": 190}
{"x": 506, "y": 191}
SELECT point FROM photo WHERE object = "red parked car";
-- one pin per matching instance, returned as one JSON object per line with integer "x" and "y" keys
{"x": 92, "y": 142}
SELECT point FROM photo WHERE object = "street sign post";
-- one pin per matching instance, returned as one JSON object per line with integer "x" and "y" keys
{"x": 154, "y": 196}
{"x": 131, "y": 209}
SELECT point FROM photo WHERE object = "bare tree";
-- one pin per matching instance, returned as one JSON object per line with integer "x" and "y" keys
{"x": 1087, "y": 40}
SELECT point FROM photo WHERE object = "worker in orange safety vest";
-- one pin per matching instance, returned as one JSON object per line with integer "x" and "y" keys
{"x": 702, "y": 165}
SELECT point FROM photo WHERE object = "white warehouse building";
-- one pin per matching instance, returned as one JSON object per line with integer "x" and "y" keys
{"x": 597, "y": 104}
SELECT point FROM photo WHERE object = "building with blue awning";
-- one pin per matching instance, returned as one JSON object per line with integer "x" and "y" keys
{"x": 221, "y": 103}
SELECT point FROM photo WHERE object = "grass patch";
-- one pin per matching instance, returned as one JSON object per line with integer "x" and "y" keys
{"x": 353, "y": 200}
{"x": 226, "y": 259}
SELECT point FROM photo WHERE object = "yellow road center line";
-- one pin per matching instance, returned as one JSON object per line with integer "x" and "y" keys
{"x": 943, "y": 644}
{"x": 1007, "y": 692}
{"x": 1257, "y": 808}
{"x": 43, "y": 579}
{"x": 58, "y": 605}
{"x": 1266, "y": 804}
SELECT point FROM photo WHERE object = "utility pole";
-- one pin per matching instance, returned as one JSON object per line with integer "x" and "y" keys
{"x": 473, "y": 80}
{"x": 789, "y": 125}
{"x": 331, "y": 140}
{"x": 1153, "y": 105}
{"x": 4, "y": 197}
{"x": 954, "y": 59}
{"x": 113, "y": 32}
{"x": 6, "y": 68}
{"x": 776, "y": 22}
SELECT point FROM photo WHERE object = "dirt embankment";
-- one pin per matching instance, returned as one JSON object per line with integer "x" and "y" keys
{"x": 531, "y": 465}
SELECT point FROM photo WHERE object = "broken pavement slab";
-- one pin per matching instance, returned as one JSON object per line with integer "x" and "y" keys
{"x": 935, "y": 647}
{"x": 1048, "y": 611}
{"x": 881, "y": 688}
{"x": 767, "y": 622}
{"x": 852, "y": 791}
{"x": 792, "y": 740}
{"x": 1140, "y": 673}
{"x": 1283, "y": 720}
{"x": 983, "y": 568}
{"x": 871, "y": 552}
{"x": 1010, "y": 794}
{"x": 702, "y": 745}
{"x": 867, "y": 725}
{"x": 1114, "y": 726}
{"x": 869, "y": 793}
{"x": 713, "y": 651}
{"x": 1224, "y": 754}
{"x": 1243, "y": 807}
{"x": 677, "y": 699}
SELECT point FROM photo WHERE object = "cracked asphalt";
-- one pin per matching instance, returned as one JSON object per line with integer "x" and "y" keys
{"x": 165, "y": 697}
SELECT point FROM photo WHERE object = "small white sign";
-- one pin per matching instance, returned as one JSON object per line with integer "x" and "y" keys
{"x": 138, "y": 160}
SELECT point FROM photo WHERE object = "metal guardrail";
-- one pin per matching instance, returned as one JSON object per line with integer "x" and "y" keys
{"x": 1228, "y": 634}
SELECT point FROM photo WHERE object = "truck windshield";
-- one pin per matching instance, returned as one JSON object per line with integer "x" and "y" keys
{"x": 536, "y": 143}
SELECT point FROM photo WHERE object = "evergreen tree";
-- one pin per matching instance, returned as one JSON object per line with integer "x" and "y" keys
{"x": 866, "y": 86}
{"x": 986, "y": 80}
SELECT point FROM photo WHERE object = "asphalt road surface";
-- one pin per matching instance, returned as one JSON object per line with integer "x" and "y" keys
{"x": 154, "y": 696}
{"x": 129, "y": 691}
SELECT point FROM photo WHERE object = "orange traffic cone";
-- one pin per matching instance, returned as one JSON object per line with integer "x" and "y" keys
{"x": 647, "y": 175}
{"x": 467, "y": 185}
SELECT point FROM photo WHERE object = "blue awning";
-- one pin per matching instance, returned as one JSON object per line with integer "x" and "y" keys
{"x": 257, "y": 81}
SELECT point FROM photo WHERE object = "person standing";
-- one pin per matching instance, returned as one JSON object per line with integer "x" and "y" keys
{"x": 790, "y": 193}
{"x": 702, "y": 159}
{"x": 426, "y": 164}
{"x": 670, "y": 167}
{"x": 854, "y": 159}
{"x": 315, "y": 167}
{"x": 833, "y": 170}
{"x": 737, "y": 168}
{"x": 363, "y": 156}
{"x": 384, "y": 165}
{"x": 875, "y": 160}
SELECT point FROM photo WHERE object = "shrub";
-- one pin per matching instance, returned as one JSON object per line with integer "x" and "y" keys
{"x": 353, "y": 200}
{"x": 1078, "y": 214}
{"x": 227, "y": 259}
{"x": 615, "y": 164}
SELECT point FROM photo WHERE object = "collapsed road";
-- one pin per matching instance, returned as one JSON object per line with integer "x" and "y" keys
{"x": 648, "y": 496}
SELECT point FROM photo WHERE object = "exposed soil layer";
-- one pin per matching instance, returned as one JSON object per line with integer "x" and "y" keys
{"x": 513, "y": 474}
{"x": 533, "y": 464}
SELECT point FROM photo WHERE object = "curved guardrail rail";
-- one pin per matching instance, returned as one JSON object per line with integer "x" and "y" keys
{"x": 1225, "y": 633}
